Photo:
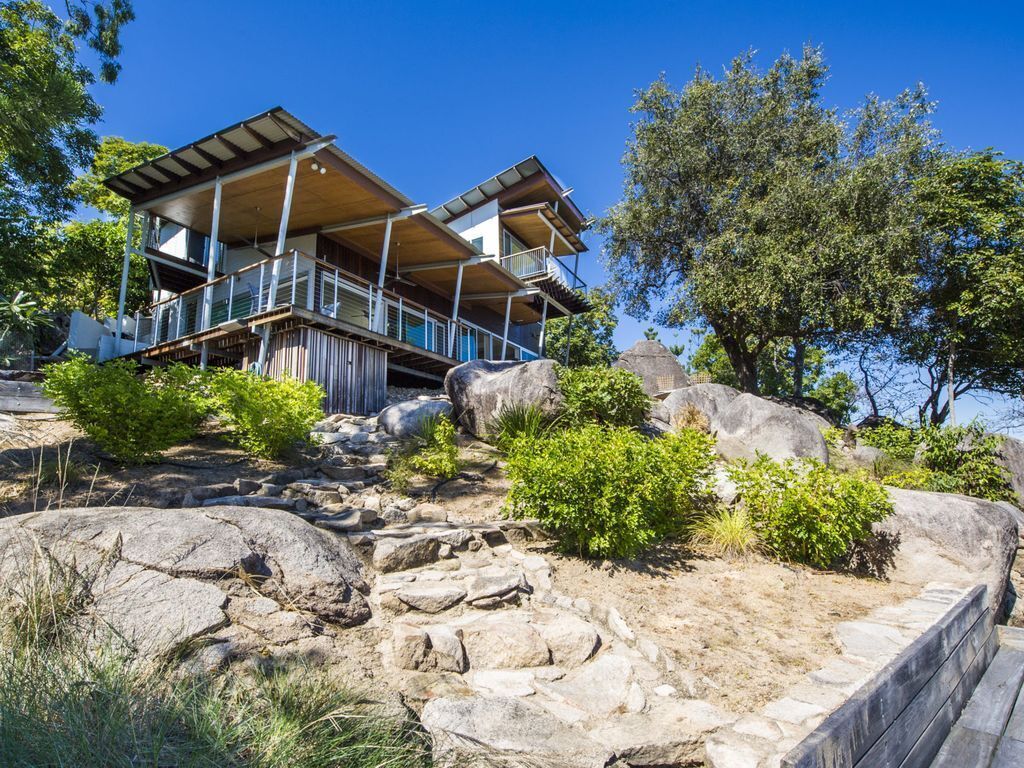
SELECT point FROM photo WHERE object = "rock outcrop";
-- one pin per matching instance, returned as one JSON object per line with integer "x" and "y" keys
{"x": 652, "y": 362}
{"x": 1011, "y": 456}
{"x": 746, "y": 425}
{"x": 405, "y": 419}
{"x": 955, "y": 539}
{"x": 158, "y": 576}
{"x": 480, "y": 389}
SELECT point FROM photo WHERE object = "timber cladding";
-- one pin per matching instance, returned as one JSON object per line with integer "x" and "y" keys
{"x": 902, "y": 717}
{"x": 353, "y": 374}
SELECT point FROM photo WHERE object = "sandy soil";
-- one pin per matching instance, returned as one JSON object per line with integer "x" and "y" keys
{"x": 745, "y": 630}
{"x": 95, "y": 480}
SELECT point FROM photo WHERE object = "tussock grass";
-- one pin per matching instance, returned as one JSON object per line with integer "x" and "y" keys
{"x": 518, "y": 421}
{"x": 727, "y": 532}
{"x": 72, "y": 693}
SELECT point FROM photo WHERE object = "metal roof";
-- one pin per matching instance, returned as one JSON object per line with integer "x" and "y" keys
{"x": 497, "y": 184}
{"x": 268, "y": 134}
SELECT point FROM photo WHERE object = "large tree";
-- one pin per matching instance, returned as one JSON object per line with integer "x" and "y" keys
{"x": 966, "y": 333}
{"x": 589, "y": 336}
{"x": 48, "y": 114}
{"x": 751, "y": 209}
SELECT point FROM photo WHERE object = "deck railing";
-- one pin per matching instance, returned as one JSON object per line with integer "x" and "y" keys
{"x": 538, "y": 263}
{"x": 315, "y": 285}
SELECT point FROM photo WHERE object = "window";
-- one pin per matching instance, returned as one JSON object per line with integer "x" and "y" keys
{"x": 478, "y": 243}
{"x": 511, "y": 244}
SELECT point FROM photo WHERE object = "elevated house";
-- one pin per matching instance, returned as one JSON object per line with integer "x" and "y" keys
{"x": 270, "y": 248}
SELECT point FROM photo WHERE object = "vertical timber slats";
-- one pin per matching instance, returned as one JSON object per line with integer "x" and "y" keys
{"x": 354, "y": 375}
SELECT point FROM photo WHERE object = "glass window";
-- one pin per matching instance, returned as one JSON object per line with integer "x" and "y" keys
{"x": 478, "y": 243}
{"x": 511, "y": 244}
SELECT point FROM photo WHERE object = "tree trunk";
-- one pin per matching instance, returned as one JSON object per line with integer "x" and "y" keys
{"x": 798, "y": 367}
{"x": 950, "y": 389}
{"x": 872, "y": 401}
{"x": 744, "y": 363}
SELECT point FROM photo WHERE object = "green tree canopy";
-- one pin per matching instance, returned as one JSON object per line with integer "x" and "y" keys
{"x": 751, "y": 209}
{"x": 966, "y": 333}
{"x": 46, "y": 132}
{"x": 836, "y": 390}
{"x": 588, "y": 336}
{"x": 113, "y": 155}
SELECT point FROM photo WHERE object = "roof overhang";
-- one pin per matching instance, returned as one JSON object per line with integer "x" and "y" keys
{"x": 534, "y": 225}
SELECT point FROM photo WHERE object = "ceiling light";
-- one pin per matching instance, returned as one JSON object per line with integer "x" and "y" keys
{"x": 316, "y": 166}
{"x": 323, "y": 170}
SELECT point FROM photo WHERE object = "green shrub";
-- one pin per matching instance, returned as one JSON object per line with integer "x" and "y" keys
{"x": 727, "y": 532}
{"x": 969, "y": 458}
{"x": 518, "y": 422}
{"x": 611, "y": 396}
{"x": 609, "y": 491}
{"x": 133, "y": 418}
{"x": 897, "y": 441}
{"x": 807, "y": 512}
{"x": 266, "y": 416}
{"x": 439, "y": 456}
{"x": 921, "y": 479}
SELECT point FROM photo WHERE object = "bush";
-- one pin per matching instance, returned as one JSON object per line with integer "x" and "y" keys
{"x": 897, "y": 441}
{"x": 727, "y": 532}
{"x": 967, "y": 459}
{"x": 133, "y": 418}
{"x": 266, "y": 416}
{"x": 610, "y": 396}
{"x": 807, "y": 512}
{"x": 609, "y": 491}
{"x": 438, "y": 454}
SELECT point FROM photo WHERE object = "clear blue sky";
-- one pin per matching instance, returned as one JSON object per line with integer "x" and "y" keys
{"x": 438, "y": 96}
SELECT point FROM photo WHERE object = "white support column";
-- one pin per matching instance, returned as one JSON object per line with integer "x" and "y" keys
{"x": 123, "y": 295}
{"x": 543, "y": 327}
{"x": 211, "y": 270}
{"x": 455, "y": 311}
{"x": 504, "y": 333}
{"x": 282, "y": 230}
{"x": 275, "y": 272}
{"x": 376, "y": 322}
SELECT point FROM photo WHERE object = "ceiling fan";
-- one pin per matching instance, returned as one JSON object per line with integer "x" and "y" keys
{"x": 397, "y": 277}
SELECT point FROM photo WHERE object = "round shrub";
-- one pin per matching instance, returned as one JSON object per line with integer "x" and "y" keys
{"x": 807, "y": 512}
{"x": 611, "y": 396}
{"x": 266, "y": 416}
{"x": 609, "y": 491}
{"x": 134, "y": 418}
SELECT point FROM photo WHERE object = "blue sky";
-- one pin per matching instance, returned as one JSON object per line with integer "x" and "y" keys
{"x": 438, "y": 96}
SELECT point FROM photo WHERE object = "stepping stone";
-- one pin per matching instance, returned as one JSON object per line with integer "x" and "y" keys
{"x": 430, "y": 598}
{"x": 600, "y": 688}
{"x": 504, "y": 645}
{"x": 403, "y": 554}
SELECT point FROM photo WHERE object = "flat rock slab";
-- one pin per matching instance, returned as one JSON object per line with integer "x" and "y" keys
{"x": 602, "y": 687}
{"x": 403, "y": 554}
{"x": 508, "y": 725}
{"x": 430, "y": 598}
{"x": 504, "y": 645}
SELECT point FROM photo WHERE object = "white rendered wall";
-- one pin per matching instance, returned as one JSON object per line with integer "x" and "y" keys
{"x": 482, "y": 222}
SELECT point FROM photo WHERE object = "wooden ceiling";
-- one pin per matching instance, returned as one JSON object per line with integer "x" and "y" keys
{"x": 529, "y": 226}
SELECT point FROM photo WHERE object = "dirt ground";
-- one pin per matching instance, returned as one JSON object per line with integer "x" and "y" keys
{"x": 744, "y": 631}
{"x": 94, "y": 480}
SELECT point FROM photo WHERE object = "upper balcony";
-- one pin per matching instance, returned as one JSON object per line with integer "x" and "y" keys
{"x": 540, "y": 266}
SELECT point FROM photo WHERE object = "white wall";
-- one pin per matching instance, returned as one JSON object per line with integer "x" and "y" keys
{"x": 482, "y": 222}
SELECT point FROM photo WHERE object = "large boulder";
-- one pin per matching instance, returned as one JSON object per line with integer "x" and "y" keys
{"x": 480, "y": 389}
{"x": 746, "y": 424}
{"x": 1011, "y": 456}
{"x": 406, "y": 418}
{"x": 155, "y": 575}
{"x": 952, "y": 539}
{"x": 652, "y": 362}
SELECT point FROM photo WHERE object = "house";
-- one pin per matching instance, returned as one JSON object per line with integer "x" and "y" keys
{"x": 270, "y": 248}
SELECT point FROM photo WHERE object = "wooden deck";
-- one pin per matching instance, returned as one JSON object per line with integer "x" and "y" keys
{"x": 990, "y": 730}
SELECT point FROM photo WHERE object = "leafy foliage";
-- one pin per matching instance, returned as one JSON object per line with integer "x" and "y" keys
{"x": 113, "y": 156}
{"x": 588, "y": 336}
{"x": 754, "y": 210}
{"x": 807, "y": 512}
{"x": 970, "y": 458}
{"x": 438, "y": 454}
{"x": 896, "y": 440}
{"x": 266, "y": 416}
{"x": 610, "y": 396}
{"x": 131, "y": 417}
{"x": 609, "y": 491}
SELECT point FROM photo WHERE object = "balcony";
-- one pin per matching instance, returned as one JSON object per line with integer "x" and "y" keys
{"x": 539, "y": 264}
{"x": 307, "y": 283}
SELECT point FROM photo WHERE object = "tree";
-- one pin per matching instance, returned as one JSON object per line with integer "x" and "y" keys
{"x": 48, "y": 113}
{"x": 837, "y": 391}
{"x": 651, "y": 334}
{"x": 966, "y": 331}
{"x": 754, "y": 211}
{"x": 81, "y": 261}
{"x": 589, "y": 336}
